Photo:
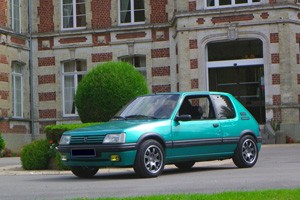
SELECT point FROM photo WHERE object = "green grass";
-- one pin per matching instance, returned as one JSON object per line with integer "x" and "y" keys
{"x": 282, "y": 194}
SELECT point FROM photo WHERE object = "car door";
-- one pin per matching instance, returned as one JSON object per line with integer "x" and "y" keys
{"x": 196, "y": 132}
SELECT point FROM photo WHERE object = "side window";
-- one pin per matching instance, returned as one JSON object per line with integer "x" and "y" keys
{"x": 131, "y": 12}
{"x": 224, "y": 107}
{"x": 199, "y": 107}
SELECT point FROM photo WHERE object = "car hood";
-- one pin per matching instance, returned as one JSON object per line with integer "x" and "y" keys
{"x": 115, "y": 126}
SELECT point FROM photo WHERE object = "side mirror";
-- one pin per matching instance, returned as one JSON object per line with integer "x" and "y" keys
{"x": 183, "y": 118}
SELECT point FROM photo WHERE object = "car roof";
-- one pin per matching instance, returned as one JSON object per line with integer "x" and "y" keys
{"x": 193, "y": 93}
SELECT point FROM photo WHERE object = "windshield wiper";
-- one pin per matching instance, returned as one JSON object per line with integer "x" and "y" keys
{"x": 140, "y": 116}
{"x": 119, "y": 117}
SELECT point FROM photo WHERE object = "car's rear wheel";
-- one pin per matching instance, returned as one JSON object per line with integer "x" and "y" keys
{"x": 185, "y": 165}
{"x": 150, "y": 159}
{"x": 246, "y": 153}
{"x": 84, "y": 172}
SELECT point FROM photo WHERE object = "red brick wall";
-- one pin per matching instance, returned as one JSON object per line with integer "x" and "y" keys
{"x": 4, "y": 94}
{"x": 275, "y": 58}
{"x": 277, "y": 114}
{"x": 46, "y": 79}
{"x": 192, "y": 6}
{"x": 6, "y": 128}
{"x": 200, "y": 20}
{"x": 232, "y": 18}
{"x": 101, "y": 57}
{"x": 158, "y": 11}
{"x": 4, "y": 77}
{"x": 106, "y": 39}
{"x": 161, "y": 71}
{"x": 275, "y": 79}
{"x": 18, "y": 41}
{"x": 101, "y": 13}
{"x": 47, "y": 61}
{"x": 72, "y": 40}
{"x": 3, "y": 59}
{"x": 194, "y": 63}
{"x": 160, "y": 53}
{"x": 264, "y": 15}
{"x": 130, "y": 35}
{"x": 40, "y": 43}
{"x": 46, "y": 13}
{"x": 276, "y": 99}
{"x": 47, "y": 96}
{"x": 3, "y": 13}
{"x": 161, "y": 88}
{"x": 193, "y": 44}
{"x": 48, "y": 113}
{"x": 195, "y": 83}
{"x": 274, "y": 37}
{"x": 165, "y": 36}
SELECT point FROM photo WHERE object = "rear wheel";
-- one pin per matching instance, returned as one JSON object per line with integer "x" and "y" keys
{"x": 185, "y": 165}
{"x": 84, "y": 172}
{"x": 246, "y": 153}
{"x": 150, "y": 159}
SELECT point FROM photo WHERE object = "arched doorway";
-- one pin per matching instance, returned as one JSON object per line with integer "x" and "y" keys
{"x": 237, "y": 67}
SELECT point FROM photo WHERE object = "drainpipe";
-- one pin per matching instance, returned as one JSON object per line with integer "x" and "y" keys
{"x": 31, "y": 79}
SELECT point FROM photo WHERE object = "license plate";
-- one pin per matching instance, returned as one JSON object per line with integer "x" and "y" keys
{"x": 83, "y": 152}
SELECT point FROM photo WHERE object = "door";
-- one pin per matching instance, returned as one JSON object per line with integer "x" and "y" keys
{"x": 200, "y": 135}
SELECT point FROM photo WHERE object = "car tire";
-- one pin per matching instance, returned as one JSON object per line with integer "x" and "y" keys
{"x": 84, "y": 172}
{"x": 150, "y": 159}
{"x": 246, "y": 153}
{"x": 185, "y": 165}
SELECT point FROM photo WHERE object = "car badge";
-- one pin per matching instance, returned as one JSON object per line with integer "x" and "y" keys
{"x": 85, "y": 139}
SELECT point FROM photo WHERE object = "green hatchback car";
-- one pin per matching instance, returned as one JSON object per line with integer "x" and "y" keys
{"x": 165, "y": 128}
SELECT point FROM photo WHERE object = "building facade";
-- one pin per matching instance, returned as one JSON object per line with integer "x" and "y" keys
{"x": 249, "y": 48}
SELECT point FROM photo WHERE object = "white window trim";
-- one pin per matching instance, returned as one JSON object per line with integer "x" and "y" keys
{"x": 240, "y": 63}
{"x": 74, "y": 17}
{"x": 13, "y": 16}
{"x": 14, "y": 75}
{"x": 233, "y": 4}
{"x": 75, "y": 74}
{"x": 131, "y": 12}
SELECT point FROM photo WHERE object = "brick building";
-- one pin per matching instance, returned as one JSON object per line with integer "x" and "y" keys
{"x": 249, "y": 48}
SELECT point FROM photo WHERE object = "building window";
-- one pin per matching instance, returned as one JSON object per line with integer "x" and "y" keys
{"x": 17, "y": 86}
{"x": 139, "y": 62}
{"x": 131, "y": 11}
{"x": 15, "y": 15}
{"x": 73, "y": 14}
{"x": 227, "y": 3}
{"x": 72, "y": 73}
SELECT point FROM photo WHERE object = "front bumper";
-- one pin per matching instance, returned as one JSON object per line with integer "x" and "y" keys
{"x": 98, "y": 155}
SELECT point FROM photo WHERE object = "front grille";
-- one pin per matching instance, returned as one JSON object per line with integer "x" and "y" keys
{"x": 89, "y": 139}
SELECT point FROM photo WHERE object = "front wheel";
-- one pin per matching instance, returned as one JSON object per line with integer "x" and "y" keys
{"x": 84, "y": 172}
{"x": 246, "y": 153}
{"x": 149, "y": 160}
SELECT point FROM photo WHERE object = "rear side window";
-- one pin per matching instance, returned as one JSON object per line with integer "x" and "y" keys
{"x": 224, "y": 107}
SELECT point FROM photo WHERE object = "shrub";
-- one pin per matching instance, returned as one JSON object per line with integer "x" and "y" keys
{"x": 35, "y": 156}
{"x": 2, "y": 143}
{"x": 106, "y": 89}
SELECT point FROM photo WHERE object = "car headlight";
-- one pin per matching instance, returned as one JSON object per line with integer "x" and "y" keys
{"x": 115, "y": 138}
{"x": 65, "y": 139}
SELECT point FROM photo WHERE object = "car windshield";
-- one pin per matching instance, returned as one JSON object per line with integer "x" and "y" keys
{"x": 158, "y": 106}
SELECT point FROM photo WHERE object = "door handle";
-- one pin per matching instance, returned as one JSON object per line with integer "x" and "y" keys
{"x": 215, "y": 125}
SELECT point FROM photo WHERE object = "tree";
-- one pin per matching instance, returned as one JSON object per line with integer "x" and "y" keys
{"x": 106, "y": 89}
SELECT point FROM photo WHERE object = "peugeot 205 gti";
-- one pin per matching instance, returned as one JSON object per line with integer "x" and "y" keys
{"x": 165, "y": 128}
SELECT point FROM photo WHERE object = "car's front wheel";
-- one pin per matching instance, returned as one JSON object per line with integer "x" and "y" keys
{"x": 246, "y": 153}
{"x": 84, "y": 172}
{"x": 149, "y": 160}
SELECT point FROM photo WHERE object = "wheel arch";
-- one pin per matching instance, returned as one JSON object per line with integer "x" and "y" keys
{"x": 249, "y": 132}
{"x": 153, "y": 136}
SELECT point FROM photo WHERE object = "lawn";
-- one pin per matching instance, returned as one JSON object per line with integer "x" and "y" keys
{"x": 282, "y": 194}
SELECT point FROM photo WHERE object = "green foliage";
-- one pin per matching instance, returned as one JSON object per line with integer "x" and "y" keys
{"x": 58, "y": 162}
{"x": 2, "y": 143}
{"x": 54, "y": 132}
{"x": 35, "y": 156}
{"x": 106, "y": 89}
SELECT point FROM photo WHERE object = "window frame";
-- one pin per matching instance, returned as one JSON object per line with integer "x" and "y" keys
{"x": 15, "y": 27}
{"x": 132, "y": 10}
{"x": 74, "y": 16}
{"x": 14, "y": 90}
{"x": 75, "y": 74}
{"x": 233, "y": 4}
{"x": 141, "y": 69}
